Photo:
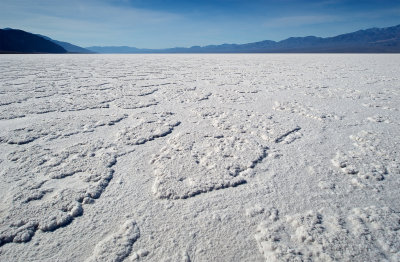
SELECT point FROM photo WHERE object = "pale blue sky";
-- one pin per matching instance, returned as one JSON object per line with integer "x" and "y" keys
{"x": 167, "y": 23}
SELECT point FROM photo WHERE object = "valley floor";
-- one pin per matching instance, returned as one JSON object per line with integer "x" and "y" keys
{"x": 245, "y": 157}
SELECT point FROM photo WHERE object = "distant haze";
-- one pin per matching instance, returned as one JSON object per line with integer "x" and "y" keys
{"x": 164, "y": 24}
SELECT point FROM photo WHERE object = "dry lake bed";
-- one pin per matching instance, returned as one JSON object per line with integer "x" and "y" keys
{"x": 245, "y": 157}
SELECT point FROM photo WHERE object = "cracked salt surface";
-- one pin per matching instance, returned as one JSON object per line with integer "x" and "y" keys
{"x": 199, "y": 157}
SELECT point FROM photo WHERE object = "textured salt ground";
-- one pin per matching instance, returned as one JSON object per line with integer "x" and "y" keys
{"x": 299, "y": 198}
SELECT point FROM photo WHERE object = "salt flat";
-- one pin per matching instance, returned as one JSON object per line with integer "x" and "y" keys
{"x": 243, "y": 157}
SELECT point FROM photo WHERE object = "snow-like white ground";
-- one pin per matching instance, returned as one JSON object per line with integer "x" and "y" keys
{"x": 200, "y": 157}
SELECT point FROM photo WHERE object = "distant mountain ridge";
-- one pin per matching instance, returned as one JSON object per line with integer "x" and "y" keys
{"x": 69, "y": 47}
{"x": 373, "y": 40}
{"x": 115, "y": 49}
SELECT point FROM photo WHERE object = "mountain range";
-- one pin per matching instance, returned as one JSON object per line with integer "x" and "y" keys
{"x": 373, "y": 40}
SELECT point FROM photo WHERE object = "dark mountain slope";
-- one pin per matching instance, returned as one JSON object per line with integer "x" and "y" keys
{"x": 18, "y": 41}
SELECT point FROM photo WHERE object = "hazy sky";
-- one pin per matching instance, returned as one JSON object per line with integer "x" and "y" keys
{"x": 168, "y": 23}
